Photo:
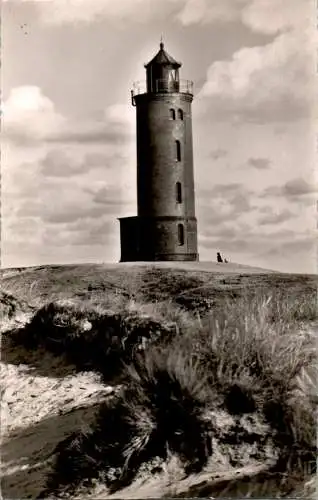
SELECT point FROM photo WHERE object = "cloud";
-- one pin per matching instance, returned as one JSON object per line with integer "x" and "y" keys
{"x": 98, "y": 233}
{"x": 276, "y": 218}
{"x": 293, "y": 189}
{"x": 259, "y": 163}
{"x": 30, "y": 118}
{"x": 28, "y": 115}
{"x": 221, "y": 189}
{"x": 231, "y": 219}
{"x": 248, "y": 240}
{"x": 111, "y": 197}
{"x": 272, "y": 16}
{"x": 62, "y": 203}
{"x": 82, "y": 232}
{"x": 293, "y": 245}
{"x": 222, "y": 203}
{"x": 273, "y": 82}
{"x": 86, "y": 11}
{"x": 71, "y": 213}
{"x": 299, "y": 187}
{"x": 207, "y": 11}
{"x": 58, "y": 163}
{"x": 97, "y": 133}
{"x": 264, "y": 16}
{"x": 218, "y": 153}
{"x": 116, "y": 127}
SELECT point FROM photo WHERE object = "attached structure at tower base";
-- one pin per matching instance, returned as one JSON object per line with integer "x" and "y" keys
{"x": 158, "y": 239}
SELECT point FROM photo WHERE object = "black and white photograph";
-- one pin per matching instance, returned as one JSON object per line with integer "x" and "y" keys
{"x": 158, "y": 253}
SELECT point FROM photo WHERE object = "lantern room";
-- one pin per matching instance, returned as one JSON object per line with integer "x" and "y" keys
{"x": 162, "y": 73}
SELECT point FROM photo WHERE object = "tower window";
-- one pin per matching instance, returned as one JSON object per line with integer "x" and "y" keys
{"x": 178, "y": 150}
{"x": 178, "y": 192}
{"x": 172, "y": 114}
{"x": 180, "y": 234}
{"x": 180, "y": 114}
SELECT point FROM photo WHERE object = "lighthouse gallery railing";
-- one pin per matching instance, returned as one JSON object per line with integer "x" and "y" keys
{"x": 182, "y": 86}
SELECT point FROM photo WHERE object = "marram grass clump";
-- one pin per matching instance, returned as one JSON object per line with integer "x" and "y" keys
{"x": 160, "y": 409}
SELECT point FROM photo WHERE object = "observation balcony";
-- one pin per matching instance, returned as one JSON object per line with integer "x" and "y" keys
{"x": 159, "y": 86}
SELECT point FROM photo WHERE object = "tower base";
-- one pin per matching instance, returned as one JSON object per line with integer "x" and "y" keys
{"x": 149, "y": 239}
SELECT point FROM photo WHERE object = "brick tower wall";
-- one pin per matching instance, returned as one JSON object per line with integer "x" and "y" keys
{"x": 158, "y": 170}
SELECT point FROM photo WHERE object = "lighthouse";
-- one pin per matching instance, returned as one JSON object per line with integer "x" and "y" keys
{"x": 165, "y": 228}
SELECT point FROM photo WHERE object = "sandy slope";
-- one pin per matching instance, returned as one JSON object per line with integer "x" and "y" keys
{"x": 37, "y": 412}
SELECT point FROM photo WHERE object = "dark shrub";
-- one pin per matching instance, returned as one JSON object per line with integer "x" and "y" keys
{"x": 239, "y": 400}
{"x": 93, "y": 340}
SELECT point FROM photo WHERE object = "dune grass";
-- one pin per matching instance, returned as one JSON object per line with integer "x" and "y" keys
{"x": 251, "y": 357}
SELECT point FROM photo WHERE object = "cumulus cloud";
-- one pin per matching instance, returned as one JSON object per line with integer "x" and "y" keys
{"x": 293, "y": 189}
{"x": 28, "y": 115}
{"x": 265, "y": 16}
{"x": 299, "y": 187}
{"x": 218, "y": 153}
{"x": 222, "y": 203}
{"x": 272, "y": 16}
{"x": 275, "y": 218}
{"x": 265, "y": 83}
{"x": 96, "y": 133}
{"x": 273, "y": 82}
{"x": 111, "y": 197}
{"x": 58, "y": 163}
{"x": 259, "y": 163}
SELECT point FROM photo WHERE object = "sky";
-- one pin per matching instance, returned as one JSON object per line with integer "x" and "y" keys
{"x": 68, "y": 153}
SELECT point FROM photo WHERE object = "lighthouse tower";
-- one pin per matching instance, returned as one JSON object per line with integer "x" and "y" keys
{"x": 165, "y": 227}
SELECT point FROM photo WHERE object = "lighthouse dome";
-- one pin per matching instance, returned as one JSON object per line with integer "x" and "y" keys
{"x": 163, "y": 58}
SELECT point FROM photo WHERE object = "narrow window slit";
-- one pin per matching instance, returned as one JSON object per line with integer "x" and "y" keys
{"x": 180, "y": 234}
{"x": 178, "y": 192}
{"x": 178, "y": 150}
